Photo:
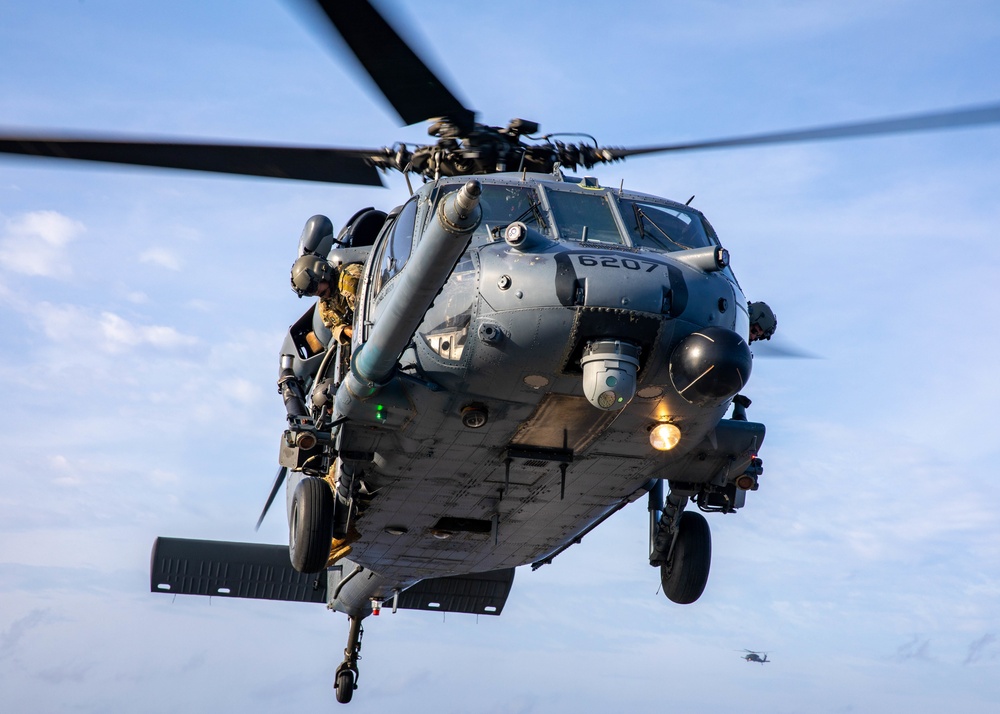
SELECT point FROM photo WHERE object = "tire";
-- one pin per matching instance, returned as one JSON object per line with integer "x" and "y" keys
{"x": 310, "y": 525}
{"x": 344, "y": 686}
{"x": 685, "y": 576}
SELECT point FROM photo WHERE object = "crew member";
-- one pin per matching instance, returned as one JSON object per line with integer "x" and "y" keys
{"x": 763, "y": 322}
{"x": 336, "y": 306}
{"x": 336, "y": 290}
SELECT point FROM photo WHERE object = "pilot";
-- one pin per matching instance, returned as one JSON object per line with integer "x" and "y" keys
{"x": 763, "y": 322}
{"x": 336, "y": 290}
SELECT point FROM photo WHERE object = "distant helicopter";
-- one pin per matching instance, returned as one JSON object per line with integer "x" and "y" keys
{"x": 752, "y": 656}
{"x": 530, "y": 353}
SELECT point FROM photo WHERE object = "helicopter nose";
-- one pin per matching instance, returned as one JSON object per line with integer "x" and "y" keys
{"x": 710, "y": 366}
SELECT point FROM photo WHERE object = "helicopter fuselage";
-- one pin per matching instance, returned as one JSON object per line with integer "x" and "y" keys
{"x": 483, "y": 450}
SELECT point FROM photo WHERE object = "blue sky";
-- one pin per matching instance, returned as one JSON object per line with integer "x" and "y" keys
{"x": 142, "y": 313}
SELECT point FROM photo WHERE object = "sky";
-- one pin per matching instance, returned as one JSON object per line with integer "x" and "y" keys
{"x": 142, "y": 313}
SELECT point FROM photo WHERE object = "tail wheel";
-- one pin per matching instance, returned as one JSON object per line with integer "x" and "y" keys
{"x": 345, "y": 686}
{"x": 685, "y": 576}
{"x": 310, "y": 525}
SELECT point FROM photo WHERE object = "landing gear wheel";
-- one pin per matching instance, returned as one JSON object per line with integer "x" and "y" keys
{"x": 345, "y": 681}
{"x": 684, "y": 577}
{"x": 345, "y": 685}
{"x": 310, "y": 525}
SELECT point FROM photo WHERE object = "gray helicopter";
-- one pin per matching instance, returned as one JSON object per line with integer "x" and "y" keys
{"x": 752, "y": 656}
{"x": 530, "y": 352}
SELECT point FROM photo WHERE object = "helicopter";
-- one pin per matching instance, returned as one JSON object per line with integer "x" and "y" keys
{"x": 752, "y": 656}
{"x": 450, "y": 437}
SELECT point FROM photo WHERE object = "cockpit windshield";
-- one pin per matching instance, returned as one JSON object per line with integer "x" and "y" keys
{"x": 584, "y": 217}
{"x": 588, "y": 216}
{"x": 663, "y": 227}
{"x": 502, "y": 205}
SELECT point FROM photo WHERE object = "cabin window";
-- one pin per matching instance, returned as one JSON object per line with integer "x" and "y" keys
{"x": 664, "y": 228}
{"x": 397, "y": 246}
{"x": 445, "y": 328}
{"x": 584, "y": 216}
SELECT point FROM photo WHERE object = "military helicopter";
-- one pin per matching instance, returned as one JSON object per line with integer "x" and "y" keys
{"x": 531, "y": 352}
{"x": 752, "y": 656}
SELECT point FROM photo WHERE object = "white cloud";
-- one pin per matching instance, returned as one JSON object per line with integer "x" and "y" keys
{"x": 65, "y": 474}
{"x": 162, "y": 257}
{"x": 199, "y": 305}
{"x": 242, "y": 391}
{"x": 121, "y": 334}
{"x": 108, "y": 332}
{"x": 34, "y": 243}
{"x": 162, "y": 477}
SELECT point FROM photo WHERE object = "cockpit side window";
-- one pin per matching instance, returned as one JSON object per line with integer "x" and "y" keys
{"x": 584, "y": 216}
{"x": 397, "y": 246}
{"x": 662, "y": 227}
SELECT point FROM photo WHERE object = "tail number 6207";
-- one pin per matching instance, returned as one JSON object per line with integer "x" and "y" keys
{"x": 613, "y": 261}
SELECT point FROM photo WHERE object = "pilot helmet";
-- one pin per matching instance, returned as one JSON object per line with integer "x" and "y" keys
{"x": 763, "y": 318}
{"x": 308, "y": 272}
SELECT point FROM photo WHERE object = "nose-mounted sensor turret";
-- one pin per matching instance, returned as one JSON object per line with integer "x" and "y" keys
{"x": 609, "y": 368}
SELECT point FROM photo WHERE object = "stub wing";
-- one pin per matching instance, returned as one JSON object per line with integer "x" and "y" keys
{"x": 183, "y": 566}
{"x": 476, "y": 594}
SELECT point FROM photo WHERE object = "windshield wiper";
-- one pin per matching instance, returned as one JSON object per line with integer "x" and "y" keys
{"x": 641, "y": 216}
{"x": 536, "y": 214}
{"x": 638, "y": 220}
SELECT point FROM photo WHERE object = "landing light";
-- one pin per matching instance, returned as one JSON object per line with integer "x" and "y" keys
{"x": 746, "y": 482}
{"x": 664, "y": 437}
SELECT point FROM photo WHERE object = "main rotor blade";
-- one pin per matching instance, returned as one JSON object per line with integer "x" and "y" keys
{"x": 777, "y": 346}
{"x": 413, "y": 90}
{"x": 285, "y": 162}
{"x": 278, "y": 479}
{"x": 953, "y": 118}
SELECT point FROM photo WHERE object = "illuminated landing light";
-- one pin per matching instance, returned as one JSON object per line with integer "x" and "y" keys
{"x": 664, "y": 437}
